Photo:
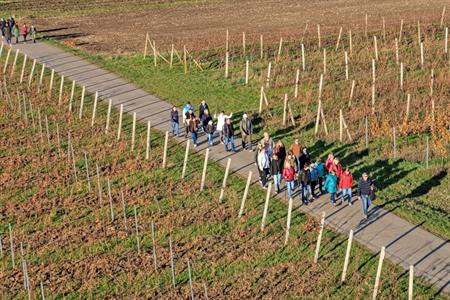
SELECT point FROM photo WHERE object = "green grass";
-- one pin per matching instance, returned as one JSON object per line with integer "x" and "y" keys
{"x": 405, "y": 186}
{"x": 78, "y": 252}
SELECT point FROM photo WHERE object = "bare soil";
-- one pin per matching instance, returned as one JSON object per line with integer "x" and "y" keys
{"x": 200, "y": 25}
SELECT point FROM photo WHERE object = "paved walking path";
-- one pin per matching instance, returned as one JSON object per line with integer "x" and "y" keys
{"x": 406, "y": 244}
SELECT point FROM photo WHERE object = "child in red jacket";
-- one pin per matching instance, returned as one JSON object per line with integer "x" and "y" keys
{"x": 345, "y": 185}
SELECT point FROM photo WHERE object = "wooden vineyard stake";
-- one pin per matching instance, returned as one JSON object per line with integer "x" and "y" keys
{"x": 94, "y": 109}
{"x": 419, "y": 36}
{"x": 58, "y": 139}
{"x": 147, "y": 147}
{"x": 247, "y": 186}
{"x": 421, "y": 55}
{"x": 375, "y": 46}
{"x": 384, "y": 30}
{"x": 396, "y": 52}
{"x": 206, "y": 291}
{"x": 261, "y": 99}
{"x": 119, "y": 129}
{"x": 297, "y": 78}
{"x": 261, "y": 46}
{"x": 324, "y": 60}
{"x": 377, "y": 278}
{"x": 401, "y": 31}
{"x": 41, "y": 78}
{"x": 61, "y": 89}
{"x": 365, "y": 28}
{"x": 338, "y": 39}
{"x": 33, "y": 67}
{"x": 266, "y": 206}
{"x": 99, "y": 186}
{"x": 347, "y": 255}
{"x": 110, "y": 201}
{"x": 408, "y": 103}
{"x": 146, "y": 47}
{"x": 73, "y": 163}
{"x": 1, "y": 49}
{"x": 243, "y": 44}
{"x": 155, "y": 57}
{"x": 288, "y": 222}
{"x": 442, "y": 17}
{"x": 427, "y": 151}
{"x": 50, "y": 87}
{"x": 350, "y": 41}
{"x": 42, "y": 291}
{"x": 46, "y": 128}
{"x": 155, "y": 263}
{"x": 366, "y": 126}
{"x": 1, "y": 248}
{"x": 319, "y": 238}
{"x": 108, "y": 115}
{"x": 318, "y": 36}
{"x": 166, "y": 141}
{"x": 373, "y": 98}
{"x": 88, "y": 179}
{"x": 83, "y": 91}
{"x": 226, "y": 41}
{"x": 11, "y": 246}
{"x": 285, "y": 109}
{"x": 40, "y": 125}
{"x": 352, "y": 91}
{"x": 191, "y": 289}
{"x": 186, "y": 154}
{"x": 16, "y": 55}
{"x": 172, "y": 264}
{"x": 185, "y": 59}
{"x": 124, "y": 211}
{"x": 22, "y": 73}
{"x": 8, "y": 54}
{"x": 446, "y": 41}
{"x": 224, "y": 183}
{"x": 346, "y": 65}
{"x": 319, "y": 107}
{"x": 133, "y": 131}
{"x": 171, "y": 56}
{"x": 303, "y": 58}
{"x": 279, "y": 49}
{"x": 291, "y": 115}
{"x": 227, "y": 56}
{"x": 401, "y": 76}
{"x": 341, "y": 125}
{"x": 373, "y": 71}
{"x": 246, "y": 72}
{"x": 431, "y": 82}
{"x": 411, "y": 282}
{"x": 394, "y": 143}
{"x": 205, "y": 166}
{"x": 72, "y": 94}
{"x": 136, "y": 226}
{"x": 268, "y": 74}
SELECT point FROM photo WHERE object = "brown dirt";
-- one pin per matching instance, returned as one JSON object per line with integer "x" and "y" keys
{"x": 203, "y": 25}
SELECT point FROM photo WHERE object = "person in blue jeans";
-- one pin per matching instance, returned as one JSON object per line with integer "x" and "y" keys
{"x": 331, "y": 186}
{"x": 174, "y": 121}
{"x": 276, "y": 167}
{"x": 228, "y": 133}
{"x": 193, "y": 128}
{"x": 366, "y": 190}
{"x": 210, "y": 129}
{"x": 289, "y": 177}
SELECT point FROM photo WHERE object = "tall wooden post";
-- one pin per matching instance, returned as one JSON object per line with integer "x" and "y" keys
{"x": 303, "y": 58}
{"x": 83, "y": 91}
{"x": 227, "y": 57}
{"x": 205, "y": 166}
{"x": 61, "y": 89}
{"x": 133, "y": 132}
{"x": 33, "y": 67}
{"x": 338, "y": 39}
{"x": 22, "y": 73}
{"x": 72, "y": 94}
{"x": 411, "y": 282}
{"x": 288, "y": 222}
{"x": 319, "y": 238}
{"x": 377, "y": 278}
{"x": 119, "y": 128}
{"x": 347, "y": 255}
{"x": 108, "y": 115}
{"x": 224, "y": 183}
{"x": 147, "y": 148}
{"x": 244, "y": 197}
{"x": 266, "y": 206}
{"x": 318, "y": 36}
{"x": 166, "y": 141}
{"x": 94, "y": 109}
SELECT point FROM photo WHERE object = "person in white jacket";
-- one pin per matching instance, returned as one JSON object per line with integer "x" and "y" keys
{"x": 263, "y": 166}
{"x": 221, "y": 117}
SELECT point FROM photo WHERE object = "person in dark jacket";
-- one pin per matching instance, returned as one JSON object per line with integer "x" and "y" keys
{"x": 174, "y": 121}
{"x": 304, "y": 158}
{"x": 2, "y": 26}
{"x": 246, "y": 127}
{"x": 210, "y": 129}
{"x": 205, "y": 118}
{"x": 280, "y": 151}
{"x": 276, "y": 168}
{"x": 193, "y": 128}
{"x": 366, "y": 190}
{"x": 7, "y": 34}
{"x": 305, "y": 179}
{"x": 201, "y": 110}
{"x": 228, "y": 133}
{"x": 11, "y": 24}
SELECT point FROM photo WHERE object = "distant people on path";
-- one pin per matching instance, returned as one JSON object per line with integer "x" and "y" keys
{"x": 276, "y": 168}
{"x": 305, "y": 180}
{"x": 205, "y": 118}
{"x": 267, "y": 143}
{"x": 304, "y": 158}
{"x": 33, "y": 33}
{"x": 320, "y": 172}
{"x": 24, "y": 32}
{"x": 246, "y": 128}
{"x": 16, "y": 33}
{"x": 201, "y": 110}
{"x": 280, "y": 151}
{"x": 329, "y": 162}
{"x": 193, "y": 128}
{"x": 263, "y": 164}
{"x": 314, "y": 179}
{"x": 8, "y": 34}
{"x": 2, "y": 26}
{"x": 186, "y": 108}
{"x": 366, "y": 193}
{"x": 174, "y": 121}
{"x": 289, "y": 178}
{"x": 331, "y": 186}
{"x": 296, "y": 149}
{"x": 345, "y": 186}
{"x": 228, "y": 134}
{"x": 210, "y": 129}
{"x": 221, "y": 122}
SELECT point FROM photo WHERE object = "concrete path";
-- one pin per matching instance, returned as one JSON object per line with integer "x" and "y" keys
{"x": 406, "y": 244}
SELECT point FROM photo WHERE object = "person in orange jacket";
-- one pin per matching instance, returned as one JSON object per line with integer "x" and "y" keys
{"x": 345, "y": 185}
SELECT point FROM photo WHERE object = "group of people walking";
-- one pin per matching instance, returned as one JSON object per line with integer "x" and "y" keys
{"x": 274, "y": 161}
{"x": 10, "y": 29}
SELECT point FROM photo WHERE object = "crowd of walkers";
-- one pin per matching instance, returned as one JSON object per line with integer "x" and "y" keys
{"x": 293, "y": 166}
{"x": 11, "y": 31}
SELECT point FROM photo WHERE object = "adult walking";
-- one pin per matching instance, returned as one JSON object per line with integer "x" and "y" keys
{"x": 289, "y": 177}
{"x": 366, "y": 192}
{"x": 193, "y": 128}
{"x": 263, "y": 165}
{"x": 210, "y": 129}
{"x": 246, "y": 128}
{"x": 186, "y": 108}
{"x": 174, "y": 121}
{"x": 16, "y": 33}
{"x": 276, "y": 167}
{"x": 321, "y": 172}
{"x": 2, "y": 26}
{"x": 11, "y": 24}
{"x": 221, "y": 117}
{"x": 205, "y": 118}
{"x": 345, "y": 185}
{"x": 24, "y": 32}
{"x": 33, "y": 33}
{"x": 331, "y": 186}
{"x": 267, "y": 143}
{"x": 305, "y": 179}
{"x": 203, "y": 107}
{"x": 228, "y": 133}
{"x": 305, "y": 158}
{"x": 7, "y": 34}
{"x": 296, "y": 149}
